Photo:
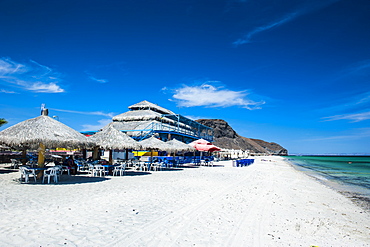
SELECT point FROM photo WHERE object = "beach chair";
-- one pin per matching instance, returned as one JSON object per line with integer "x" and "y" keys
{"x": 25, "y": 172}
{"x": 161, "y": 166}
{"x": 66, "y": 169}
{"x": 139, "y": 166}
{"x": 147, "y": 166}
{"x": 32, "y": 163}
{"x": 90, "y": 169}
{"x": 121, "y": 170}
{"x": 197, "y": 162}
{"x": 98, "y": 170}
{"x": 58, "y": 170}
{"x": 156, "y": 166}
{"x": 51, "y": 172}
{"x": 15, "y": 163}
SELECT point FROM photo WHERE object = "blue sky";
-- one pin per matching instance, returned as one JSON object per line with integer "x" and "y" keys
{"x": 291, "y": 72}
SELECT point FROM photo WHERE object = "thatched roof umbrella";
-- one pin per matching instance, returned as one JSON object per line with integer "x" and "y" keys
{"x": 180, "y": 146}
{"x": 148, "y": 105}
{"x": 111, "y": 138}
{"x": 153, "y": 143}
{"x": 42, "y": 132}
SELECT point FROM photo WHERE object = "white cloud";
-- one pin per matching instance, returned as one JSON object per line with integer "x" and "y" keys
{"x": 93, "y": 78}
{"x": 9, "y": 67}
{"x": 45, "y": 88}
{"x": 31, "y": 76}
{"x": 98, "y": 113}
{"x": 210, "y": 96}
{"x": 357, "y": 117}
{"x": 6, "y": 91}
{"x": 98, "y": 80}
{"x": 90, "y": 127}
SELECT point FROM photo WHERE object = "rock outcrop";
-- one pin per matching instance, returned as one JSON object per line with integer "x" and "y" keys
{"x": 226, "y": 137}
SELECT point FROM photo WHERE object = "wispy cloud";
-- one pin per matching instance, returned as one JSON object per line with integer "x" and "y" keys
{"x": 30, "y": 76}
{"x": 247, "y": 38}
{"x": 283, "y": 19}
{"x": 6, "y": 91}
{"x": 360, "y": 68}
{"x": 94, "y": 78}
{"x": 98, "y": 113}
{"x": 100, "y": 125}
{"x": 98, "y": 80}
{"x": 357, "y": 117}
{"x": 211, "y": 96}
{"x": 355, "y": 104}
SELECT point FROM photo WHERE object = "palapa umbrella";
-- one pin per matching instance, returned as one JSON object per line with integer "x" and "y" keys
{"x": 152, "y": 144}
{"x": 42, "y": 132}
{"x": 179, "y": 146}
{"x": 111, "y": 138}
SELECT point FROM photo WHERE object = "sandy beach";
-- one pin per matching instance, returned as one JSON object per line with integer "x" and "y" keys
{"x": 266, "y": 204}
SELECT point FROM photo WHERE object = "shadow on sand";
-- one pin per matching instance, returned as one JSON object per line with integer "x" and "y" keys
{"x": 67, "y": 180}
{"x": 5, "y": 171}
{"x": 136, "y": 173}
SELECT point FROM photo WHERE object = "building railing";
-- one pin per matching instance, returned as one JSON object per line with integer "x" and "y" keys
{"x": 153, "y": 127}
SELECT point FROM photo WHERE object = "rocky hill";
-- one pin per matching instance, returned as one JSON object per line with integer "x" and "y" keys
{"x": 226, "y": 137}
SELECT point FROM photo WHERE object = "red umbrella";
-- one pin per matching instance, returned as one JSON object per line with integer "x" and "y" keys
{"x": 203, "y": 145}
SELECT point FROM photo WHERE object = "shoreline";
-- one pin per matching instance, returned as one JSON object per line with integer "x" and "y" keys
{"x": 357, "y": 194}
{"x": 264, "y": 204}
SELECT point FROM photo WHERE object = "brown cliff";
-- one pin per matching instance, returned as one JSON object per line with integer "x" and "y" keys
{"x": 226, "y": 137}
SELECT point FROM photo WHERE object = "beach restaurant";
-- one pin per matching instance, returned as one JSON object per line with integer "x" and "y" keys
{"x": 145, "y": 130}
{"x": 146, "y": 119}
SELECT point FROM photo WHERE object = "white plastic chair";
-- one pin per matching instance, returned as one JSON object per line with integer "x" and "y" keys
{"x": 59, "y": 171}
{"x": 90, "y": 169}
{"x": 98, "y": 170}
{"x": 66, "y": 169}
{"x": 25, "y": 172}
{"x": 156, "y": 166}
{"x": 15, "y": 163}
{"x": 121, "y": 170}
{"x": 51, "y": 172}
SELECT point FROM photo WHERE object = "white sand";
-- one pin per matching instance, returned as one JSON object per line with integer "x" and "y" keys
{"x": 265, "y": 204}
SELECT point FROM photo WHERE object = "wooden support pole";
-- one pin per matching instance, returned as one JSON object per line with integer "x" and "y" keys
{"x": 41, "y": 157}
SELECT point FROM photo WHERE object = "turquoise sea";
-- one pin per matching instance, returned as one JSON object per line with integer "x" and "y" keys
{"x": 349, "y": 175}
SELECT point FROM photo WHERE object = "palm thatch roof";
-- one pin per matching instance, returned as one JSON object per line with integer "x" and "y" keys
{"x": 153, "y": 143}
{"x": 150, "y": 106}
{"x": 137, "y": 115}
{"x": 111, "y": 138}
{"x": 180, "y": 146}
{"x": 43, "y": 129}
{"x": 145, "y": 115}
{"x": 131, "y": 125}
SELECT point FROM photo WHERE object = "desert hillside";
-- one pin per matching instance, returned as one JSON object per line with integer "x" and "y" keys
{"x": 226, "y": 137}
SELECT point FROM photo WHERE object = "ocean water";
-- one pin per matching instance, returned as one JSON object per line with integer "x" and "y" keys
{"x": 349, "y": 175}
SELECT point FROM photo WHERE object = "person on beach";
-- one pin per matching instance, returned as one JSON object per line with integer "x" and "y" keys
{"x": 71, "y": 164}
